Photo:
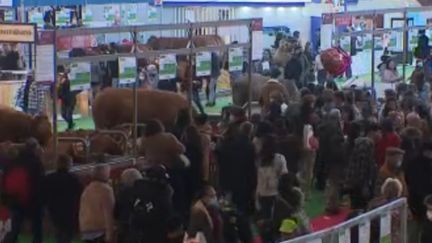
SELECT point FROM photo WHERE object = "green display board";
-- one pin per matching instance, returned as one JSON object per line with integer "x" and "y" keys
{"x": 127, "y": 70}
{"x": 167, "y": 67}
{"x": 235, "y": 59}
{"x": 80, "y": 76}
{"x": 203, "y": 64}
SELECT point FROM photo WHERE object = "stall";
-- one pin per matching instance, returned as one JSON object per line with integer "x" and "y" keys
{"x": 369, "y": 35}
{"x": 128, "y": 62}
{"x": 14, "y": 38}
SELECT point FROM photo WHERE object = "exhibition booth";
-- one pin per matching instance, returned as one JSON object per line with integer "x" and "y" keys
{"x": 370, "y": 35}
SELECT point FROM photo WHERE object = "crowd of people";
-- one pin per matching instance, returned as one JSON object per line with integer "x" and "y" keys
{"x": 219, "y": 180}
{"x": 266, "y": 166}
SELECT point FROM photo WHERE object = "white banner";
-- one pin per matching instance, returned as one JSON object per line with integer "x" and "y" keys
{"x": 127, "y": 70}
{"x": 80, "y": 76}
{"x": 257, "y": 45}
{"x": 167, "y": 67}
{"x": 203, "y": 64}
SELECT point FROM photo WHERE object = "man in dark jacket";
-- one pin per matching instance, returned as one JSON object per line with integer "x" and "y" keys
{"x": 62, "y": 195}
{"x": 293, "y": 68}
{"x": 22, "y": 191}
{"x": 237, "y": 172}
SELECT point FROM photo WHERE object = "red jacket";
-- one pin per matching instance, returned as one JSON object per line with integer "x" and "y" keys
{"x": 16, "y": 186}
{"x": 387, "y": 141}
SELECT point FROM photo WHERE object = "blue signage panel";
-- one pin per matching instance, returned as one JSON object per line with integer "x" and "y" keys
{"x": 237, "y": 2}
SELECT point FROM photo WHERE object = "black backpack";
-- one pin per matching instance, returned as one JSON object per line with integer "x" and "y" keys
{"x": 144, "y": 213}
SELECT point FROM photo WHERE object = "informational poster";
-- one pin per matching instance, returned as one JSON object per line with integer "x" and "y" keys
{"x": 129, "y": 14}
{"x": 6, "y": 3}
{"x": 36, "y": 17}
{"x": 63, "y": 17}
{"x": 152, "y": 14}
{"x": 88, "y": 16}
{"x": 167, "y": 66}
{"x": 257, "y": 39}
{"x": 127, "y": 70}
{"x": 345, "y": 236}
{"x": 385, "y": 229}
{"x": 235, "y": 61}
{"x": 364, "y": 232}
{"x": 109, "y": 13}
{"x": 203, "y": 64}
{"x": 80, "y": 76}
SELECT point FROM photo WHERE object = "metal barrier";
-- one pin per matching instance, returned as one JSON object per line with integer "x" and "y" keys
{"x": 122, "y": 134}
{"x": 85, "y": 142}
{"x": 334, "y": 233}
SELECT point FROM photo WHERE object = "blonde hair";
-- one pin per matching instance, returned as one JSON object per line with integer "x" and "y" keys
{"x": 129, "y": 176}
{"x": 392, "y": 183}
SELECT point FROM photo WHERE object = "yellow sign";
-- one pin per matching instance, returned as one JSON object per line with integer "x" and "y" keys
{"x": 17, "y": 33}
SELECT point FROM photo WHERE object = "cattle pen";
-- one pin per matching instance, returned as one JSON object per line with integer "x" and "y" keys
{"x": 189, "y": 52}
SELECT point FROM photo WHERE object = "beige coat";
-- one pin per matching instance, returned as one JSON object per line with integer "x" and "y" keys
{"x": 161, "y": 148}
{"x": 97, "y": 208}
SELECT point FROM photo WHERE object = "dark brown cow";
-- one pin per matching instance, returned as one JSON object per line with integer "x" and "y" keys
{"x": 114, "y": 107}
{"x": 16, "y": 126}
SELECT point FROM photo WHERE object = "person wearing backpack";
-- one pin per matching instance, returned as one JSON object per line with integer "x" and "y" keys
{"x": 152, "y": 207}
{"x": 97, "y": 208}
{"x": 22, "y": 191}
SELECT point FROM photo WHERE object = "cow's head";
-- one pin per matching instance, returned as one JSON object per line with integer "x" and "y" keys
{"x": 41, "y": 128}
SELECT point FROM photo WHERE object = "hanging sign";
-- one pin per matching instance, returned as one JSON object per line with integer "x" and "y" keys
{"x": 385, "y": 229}
{"x": 127, "y": 70}
{"x": 203, "y": 64}
{"x": 257, "y": 39}
{"x": 167, "y": 66}
{"x": 235, "y": 59}
{"x": 152, "y": 13}
{"x": 80, "y": 76}
{"x": 17, "y": 32}
{"x": 158, "y": 2}
{"x": 36, "y": 17}
{"x": 129, "y": 13}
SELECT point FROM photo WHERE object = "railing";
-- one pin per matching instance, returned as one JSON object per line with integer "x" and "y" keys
{"x": 334, "y": 233}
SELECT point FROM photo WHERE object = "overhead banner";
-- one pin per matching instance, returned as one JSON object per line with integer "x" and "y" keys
{"x": 127, "y": 70}
{"x": 17, "y": 33}
{"x": 167, "y": 67}
{"x": 235, "y": 61}
{"x": 80, "y": 76}
{"x": 203, "y": 64}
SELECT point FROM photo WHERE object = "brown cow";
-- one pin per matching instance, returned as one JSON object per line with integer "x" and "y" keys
{"x": 16, "y": 126}
{"x": 114, "y": 107}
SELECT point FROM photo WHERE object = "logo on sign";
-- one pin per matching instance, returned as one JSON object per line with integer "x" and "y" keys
{"x": 158, "y": 2}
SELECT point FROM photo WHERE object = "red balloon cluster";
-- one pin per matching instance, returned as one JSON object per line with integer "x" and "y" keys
{"x": 335, "y": 61}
